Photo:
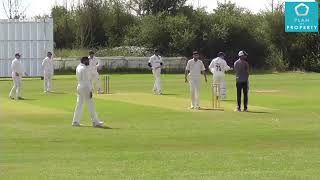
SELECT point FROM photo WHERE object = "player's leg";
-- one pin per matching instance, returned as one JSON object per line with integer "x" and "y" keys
{"x": 192, "y": 92}
{"x": 45, "y": 82}
{"x": 98, "y": 83}
{"x": 79, "y": 108}
{"x": 155, "y": 82}
{"x": 158, "y": 80}
{"x": 12, "y": 94}
{"x": 93, "y": 113}
{"x": 223, "y": 88}
{"x": 19, "y": 86}
{"x": 197, "y": 92}
{"x": 239, "y": 88}
{"x": 49, "y": 82}
{"x": 245, "y": 95}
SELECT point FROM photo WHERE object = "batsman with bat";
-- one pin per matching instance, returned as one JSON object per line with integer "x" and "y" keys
{"x": 218, "y": 67}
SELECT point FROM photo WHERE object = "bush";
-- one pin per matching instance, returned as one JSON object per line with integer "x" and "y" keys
{"x": 124, "y": 51}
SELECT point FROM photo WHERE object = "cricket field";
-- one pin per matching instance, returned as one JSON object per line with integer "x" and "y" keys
{"x": 159, "y": 137}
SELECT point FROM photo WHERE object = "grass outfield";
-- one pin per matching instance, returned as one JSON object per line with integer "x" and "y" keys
{"x": 158, "y": 137}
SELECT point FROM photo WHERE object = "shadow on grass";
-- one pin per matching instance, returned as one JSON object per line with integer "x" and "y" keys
{"x": 24, "y": 99}
{"x": 168, "y": 94}
{"x": 229, "y": 100}
{"x": 258, "y": 112}
{"x": 211, "y": 109}
{"x": 57, "y": 93}
{"x": 105, "y": 127}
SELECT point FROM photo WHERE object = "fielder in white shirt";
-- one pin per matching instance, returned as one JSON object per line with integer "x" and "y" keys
{"x": 94, "y": 75}
{"x": 84, "y": 90}
{"x": 218, "y": 67}
{"x": 48, "y": 71}
{"x": 17, "y": 72}
{"x": 194, "y": 69}
{"x": 155, "y": 63}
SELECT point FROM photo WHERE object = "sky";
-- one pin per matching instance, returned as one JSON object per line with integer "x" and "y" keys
{"x": 41, "y": 7}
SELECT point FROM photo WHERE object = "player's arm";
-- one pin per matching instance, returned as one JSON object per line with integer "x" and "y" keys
{"x": 211, "y": 67}
{"x": 149, "y": 62}
{"x": 205, "y": 75}
{"x": 98, "y": 63}
{"x": 44, "y": 62}
{"x": 14, "y": 68}
{"x": 226, "y": 67}
{"x": 161, "y": 62}
{"x": 186, "y": 76}
{"x": 203, "y": 71}
{"x": 187, "y": 72}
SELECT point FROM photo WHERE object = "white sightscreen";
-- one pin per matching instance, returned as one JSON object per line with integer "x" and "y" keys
{"x": 31, "y": 38}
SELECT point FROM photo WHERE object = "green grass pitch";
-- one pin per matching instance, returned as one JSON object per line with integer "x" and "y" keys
{"x": 159, "y": 137}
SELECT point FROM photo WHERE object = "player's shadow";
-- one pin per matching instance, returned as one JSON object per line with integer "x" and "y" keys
{"x": 105, "y": 127}
{"x": 26, "y": 99}
{"x": 228, "y": 100}
{"x": 258, "y": 112}
{"x": 168, "y": 94}
{"x": 57, "y": 93}
{"x": 210, "y": 109}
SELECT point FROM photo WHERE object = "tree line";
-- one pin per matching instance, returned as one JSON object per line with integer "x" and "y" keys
{"x": 177, "y": 29}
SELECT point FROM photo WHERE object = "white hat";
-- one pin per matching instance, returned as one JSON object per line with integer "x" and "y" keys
{"x": 242, "y": 53}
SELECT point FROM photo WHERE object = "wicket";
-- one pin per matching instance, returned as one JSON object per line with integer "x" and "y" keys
{"x": 106, "y": 84}
{"x": 216, "y": 103}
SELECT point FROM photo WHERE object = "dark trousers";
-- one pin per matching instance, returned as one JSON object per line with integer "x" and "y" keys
{"x": 242, "y": 86}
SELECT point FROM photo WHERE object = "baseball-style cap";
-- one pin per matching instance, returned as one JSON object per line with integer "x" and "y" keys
{"x": 18, "y": 54}
{"x": 242, "y": 53}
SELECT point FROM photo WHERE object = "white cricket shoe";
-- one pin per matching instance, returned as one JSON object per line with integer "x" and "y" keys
{"x": 98, "y": 124}
{"x": 76, "y": 124}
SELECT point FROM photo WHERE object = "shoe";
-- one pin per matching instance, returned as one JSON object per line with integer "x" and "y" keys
{"x": 21, "y": 98}
{"x": 12, "y": 98}
{"x": 237, "y": 110}
{"x": 197, "y": 108}
{"x": 76, "y": 124}
{"x": 245, "y": 110}
{"x": 191, "y": 107}
{"x": 100, "y": 92}
{"x": 98, "y": 124}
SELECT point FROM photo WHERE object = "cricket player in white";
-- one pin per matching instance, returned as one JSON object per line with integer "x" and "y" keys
{"x": 85, "y": 94}
{"x": 218, "y": 67}
{"x": 48, "y": 71}
{"x": 155, "y": 63}
{"x": 17, "y": 72}
{"x": 94, "y": 75}
{"x": 194, "y": 69}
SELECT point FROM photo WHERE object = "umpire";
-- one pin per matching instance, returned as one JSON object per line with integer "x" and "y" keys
{"x": 241, "y": 68}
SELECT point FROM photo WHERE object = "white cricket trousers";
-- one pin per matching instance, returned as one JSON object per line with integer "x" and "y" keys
{"x": 47, "y": 82}
{"x": 157, "y": 80}
{"x": 95, "y": 80}
{"x": 16, "y": 89}
{"x": 84, "y": 97}
{"x": 220, "y": 79}
{"x": 195, "y": 91}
